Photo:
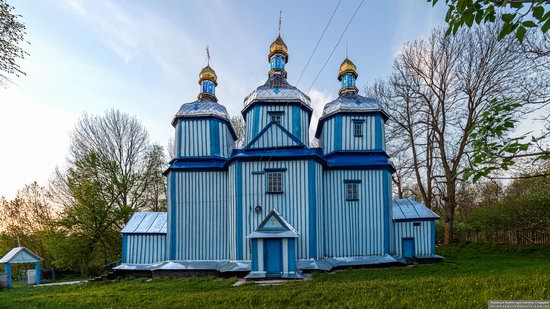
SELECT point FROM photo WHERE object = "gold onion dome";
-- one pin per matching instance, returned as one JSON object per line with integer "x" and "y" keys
{"x": 347, "y": 67}
{"x": 278, "y": 47}
{"x": 208, "y": 74}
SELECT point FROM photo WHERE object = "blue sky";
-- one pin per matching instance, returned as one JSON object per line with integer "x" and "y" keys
{"x": 143, "y": 58}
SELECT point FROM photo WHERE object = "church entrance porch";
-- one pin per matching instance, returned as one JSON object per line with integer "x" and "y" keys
{"x": 274, "y": 249}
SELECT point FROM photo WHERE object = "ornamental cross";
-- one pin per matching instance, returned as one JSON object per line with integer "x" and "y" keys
{"x": 280, "y": 18}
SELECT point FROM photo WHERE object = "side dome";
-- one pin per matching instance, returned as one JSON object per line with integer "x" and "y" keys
{"x": 201, "y": 109}
{"x": 278, "y": 46}
{"x": 347, "y": 66}
{"x": 351, "y": 103}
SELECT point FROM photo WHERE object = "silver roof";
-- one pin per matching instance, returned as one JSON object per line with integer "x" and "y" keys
{"x": 410, "y": 209}
{"x": 201, "y": 108}
{"x": 276, "y": 88}
{"x": 351, "y": 103}
{"x": 20, "y": 255}
{"x": 146, "y": 223}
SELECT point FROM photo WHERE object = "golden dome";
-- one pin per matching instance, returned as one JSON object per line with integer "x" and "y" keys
{"x": 278, "y": 46}
{"x": 208, "y": 74}
{"x": 347, "y": 67}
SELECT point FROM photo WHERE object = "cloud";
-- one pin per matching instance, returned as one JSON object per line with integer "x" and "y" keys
{"x": 136, "y": 33}
{"x": 318, "y": 100}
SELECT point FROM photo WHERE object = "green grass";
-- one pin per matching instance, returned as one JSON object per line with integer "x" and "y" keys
{"x": 469, "y": 277}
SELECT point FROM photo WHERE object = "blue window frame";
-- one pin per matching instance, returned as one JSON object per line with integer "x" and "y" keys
{"x": 358, "y": 128}
{"x": 352, "y": 189}
{"x": 274, "y": 182}
{"x": 276, "y": 116}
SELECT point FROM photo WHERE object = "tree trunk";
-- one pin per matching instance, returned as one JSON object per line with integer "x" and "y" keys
{"x": 448, "y": 234}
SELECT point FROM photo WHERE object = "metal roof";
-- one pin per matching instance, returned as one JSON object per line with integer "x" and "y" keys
{"x": 201, "y": 108}
{"x": 276, "y": 88}
{"x": 20, "y": 255}
{"x": 283, "y": 229}
{"x": 410, "y": 209}
{"x": 351, "y": 103}
{"x": 146, "y": 223}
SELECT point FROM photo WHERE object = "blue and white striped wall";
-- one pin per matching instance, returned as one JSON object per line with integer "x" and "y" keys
{"x": 143, "y": 248}
{"x": 423, "y": 235}
{"x": 199, "y": 219}
{"x": 357, "y": 228}
{"x": 201, "y": 137}
{"x": 294, "y": 119}
{"x": 298, "y": 204}
{"x": 338, "y": 135}
{"x": 273, "y": 136}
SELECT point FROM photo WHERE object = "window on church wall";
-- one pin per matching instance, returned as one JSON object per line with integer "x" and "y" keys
{"x": 352, "y": 191}
{"x": 276, "y": 116}
{"x": 358, "y": 128}
{"x": 274, "y": 182}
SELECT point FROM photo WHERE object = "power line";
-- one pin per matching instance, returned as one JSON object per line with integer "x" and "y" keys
{"x": 318, "y": 41}
{"x": 336, "y": 46}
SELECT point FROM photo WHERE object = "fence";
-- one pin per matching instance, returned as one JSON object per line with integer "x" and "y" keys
{"x": 509, "y": 237}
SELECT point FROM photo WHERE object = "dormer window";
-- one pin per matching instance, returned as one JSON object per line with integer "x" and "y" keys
{"x": 276, "y": 116}
{"x": 358, "y": 128}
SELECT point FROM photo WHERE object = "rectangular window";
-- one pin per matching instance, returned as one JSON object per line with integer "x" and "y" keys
{"x": 276, "y": 116}
{"x": 416, "y": 223}
{"x": 274, "y": 182}
{"x": 352, "y": 191}
{"x": 358, "y": 128}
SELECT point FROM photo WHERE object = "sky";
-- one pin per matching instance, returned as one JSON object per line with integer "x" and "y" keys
{"x": 144, "y": 57}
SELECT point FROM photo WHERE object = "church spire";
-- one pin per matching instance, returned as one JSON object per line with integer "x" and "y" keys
{"x": 278, "y": 54}
{"x": 208, "y": 81}
{"x": 347, "y": 76}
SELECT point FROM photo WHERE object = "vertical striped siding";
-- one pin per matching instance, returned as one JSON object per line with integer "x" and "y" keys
{"x": 372, "y": 130}
{"x": 422, "y": 235}
{"x": 292, "y": 204}
{"x": 320, "y": 209}
{"x": 231, "y": 212}
{"x": 254, "y": 126}
{"x": 194, "y": 140}
{"x": 274, "y": 137}
{"x": 145, "y": 248}
{"x": 354, "y": 228}
{"x": 201, "y": 218}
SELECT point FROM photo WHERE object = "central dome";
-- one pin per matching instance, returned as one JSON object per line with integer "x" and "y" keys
{"x": 208, "y": 74}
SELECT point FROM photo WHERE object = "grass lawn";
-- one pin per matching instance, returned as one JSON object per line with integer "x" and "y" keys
{"x": 469, "y": 277}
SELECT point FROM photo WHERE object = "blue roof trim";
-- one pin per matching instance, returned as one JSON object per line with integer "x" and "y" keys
{"x": 325, "y": 118}
{"x": 373, "y": 160}
{"x": 369, "y": 160}
{"x": 280, "y": 154}
{"x": 196, "y": 163}
{"x": 273, "y": 123}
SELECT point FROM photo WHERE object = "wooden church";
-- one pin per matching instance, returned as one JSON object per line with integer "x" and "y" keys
{"x": 272, "y": 205}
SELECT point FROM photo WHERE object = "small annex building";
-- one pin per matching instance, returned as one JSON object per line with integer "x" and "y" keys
{"x": 20, "y": 255}
{"x": 272, "y": 203}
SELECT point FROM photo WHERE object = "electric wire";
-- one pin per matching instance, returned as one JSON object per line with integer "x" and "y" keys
{"x": 336, "y": 46}
{"x": 318, "y": 42}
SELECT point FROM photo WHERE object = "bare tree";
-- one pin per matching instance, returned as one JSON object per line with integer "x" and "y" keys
{"x": 438, "y": 89}
{"x": 132, "y": 179}
{"x": 12, "y": 34}
{"x": 239, "y": 126}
